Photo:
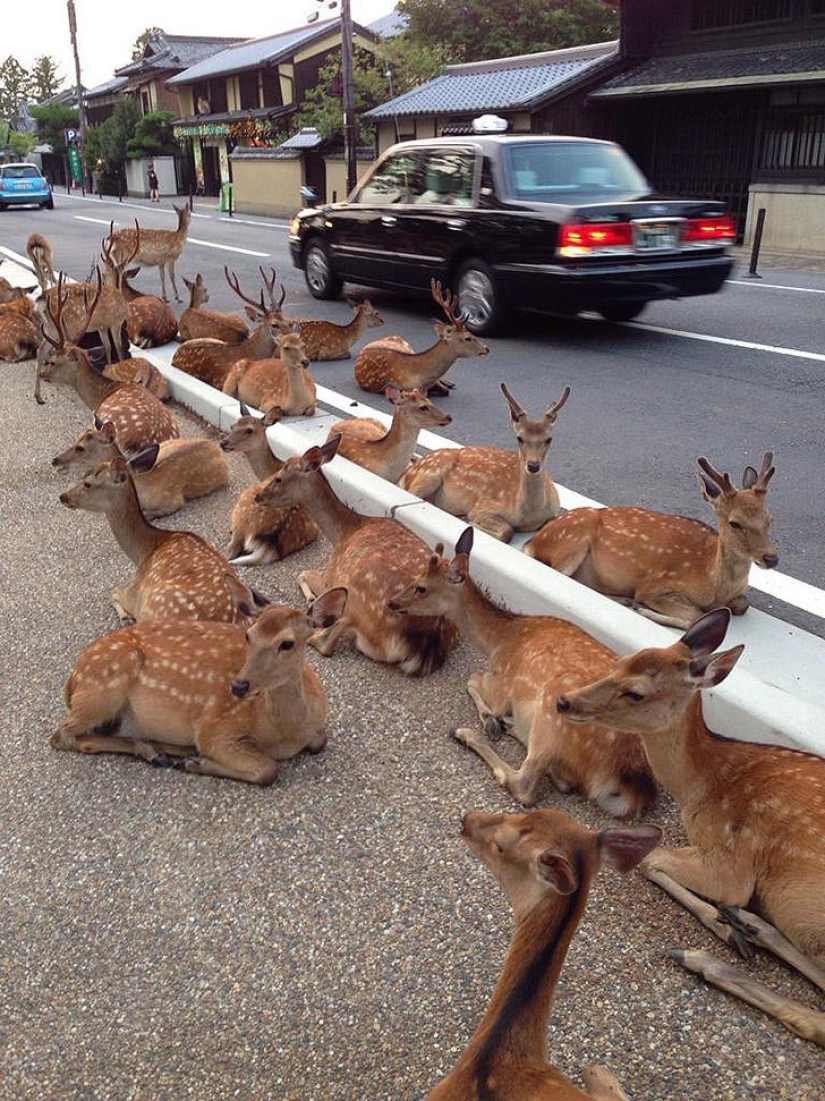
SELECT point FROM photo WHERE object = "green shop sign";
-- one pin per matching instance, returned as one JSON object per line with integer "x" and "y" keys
{"x": 75, "y": 165}
{"x": 203, "y": 130}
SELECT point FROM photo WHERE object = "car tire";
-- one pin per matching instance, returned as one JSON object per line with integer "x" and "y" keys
{"x": 322, "y": 281}
{"x": 49, "y": 203}
{"x": 479, "y": 297}
{"x": 621, "y": 311}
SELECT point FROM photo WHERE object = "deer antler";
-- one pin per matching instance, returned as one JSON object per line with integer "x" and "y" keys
{"x": 447, "y": 301}
{"x": 56, "y": 318}
{"x": 553, "y": 411}
{"x": 269, "y": 283}
{"x": 234, "y": 283}
{"x": 721, "y": 480}
{"x": 89, "y": 309}
{"x": 752, "y": 479}
{"x": 516, "y": 410}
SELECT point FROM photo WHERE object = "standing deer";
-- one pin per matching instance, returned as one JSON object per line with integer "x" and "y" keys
{"x": 179, "y": 575}
{"x": 372, "y": 558}
{"x": 669, "y": 568}
{"x": 545, "y": 862}
{"x": 243, "y": 702}
{"x": 261, "y": 534}
{"x": 391, "y": 360}
{"x": 388, "y": 452}
{"x": 754, "y": 814}
{"x": 284, "y": 382}
{"x": 531, "y": 658}
{"x": 196, "y": 323}
{"x": 159, "y": 248}
{"x": 498, "y": 491}
{"x": 183, "y": 469}
{"x": 39, "y": 252}
{"x": 324, "y": 340}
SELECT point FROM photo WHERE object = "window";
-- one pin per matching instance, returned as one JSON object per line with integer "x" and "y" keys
{"x": 397, "y": 180}
{"x": 448, "y": 179}
{"x": 710, "y": 14}
{"x": 19, "y": 172}
{"x": 217, "y": 96}
{"x": 248, "y": 82}
{"x": 560, "y": 172}
{"x": 793, "y": 141}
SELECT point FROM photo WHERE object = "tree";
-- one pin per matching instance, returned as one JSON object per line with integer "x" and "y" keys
{"x": 475, "y": 30}
{"x": 45, "y": 77}
{"x": 116, "y": 133}
{"x": 142, "y": 40}
{"x": 153, "y": 136}
{"x": 52, "y": 119}
{"x": 21, "y": 145}
{"x": 15, "y": 87}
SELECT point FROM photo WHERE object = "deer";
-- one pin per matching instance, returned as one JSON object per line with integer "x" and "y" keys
{"x": 39, "y": 252}
{"x": 530, "y": 659}
{"x": 261, "y": 534}
{"x": 754, "y": 814}
{"x": 392, "y": 359}
{"x": 139, "y": 370}
{"x": 324, "y": 340}
{"x": 182, "y": 471}
{"x": 159, "y": 248}
{"x": 497, "y": 491}
{"x": 150, "y": 321}
{"x": 211, "y": 361}
{"x": 139, "y": 418}
{"x": 15, "y": 300}
{"x": 669, "y": 568}
{"x": 179, "y": 575}
{"x": 372, "y": 557}
{"x": 284, "y": 382}
{"x": 388, "y": 453}
{"x": 196, "y": 322}
{"x": 18, "y": 336}
{"x": 206, "y": 698}
{"x": 545, "y": 862}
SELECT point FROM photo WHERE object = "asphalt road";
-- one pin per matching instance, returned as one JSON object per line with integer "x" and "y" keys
{"x": 328, "y": 939}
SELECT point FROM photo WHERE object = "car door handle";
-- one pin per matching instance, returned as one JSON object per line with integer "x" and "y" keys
{"x": 456, "y": 223}
{"x": 388, "y": 220}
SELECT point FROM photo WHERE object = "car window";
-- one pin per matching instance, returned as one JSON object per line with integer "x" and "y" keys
{"x": 553, "y": 172}
{"x": 20, "y": 172}
{"x": 448, "y": 178}
{"x": 397, "y": 180}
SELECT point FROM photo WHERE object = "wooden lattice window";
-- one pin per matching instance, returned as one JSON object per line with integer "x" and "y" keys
{"x": 713, "y": 14}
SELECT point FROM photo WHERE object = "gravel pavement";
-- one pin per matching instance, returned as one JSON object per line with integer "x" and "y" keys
{"x": 328, "y": 939}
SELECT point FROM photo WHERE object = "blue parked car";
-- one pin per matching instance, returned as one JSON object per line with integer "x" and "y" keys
{"x": 22, "y": 184}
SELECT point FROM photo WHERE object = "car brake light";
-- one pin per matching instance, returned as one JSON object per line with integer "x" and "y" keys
{"x": 709, "y": 229}
{"x": 593, "y": 238}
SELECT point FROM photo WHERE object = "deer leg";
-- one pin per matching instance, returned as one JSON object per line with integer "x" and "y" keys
{"x": 670, "y": 609}
{"x": 311, "y": 584}
{"x": 600, "y": 1084}
{"x": 492, "y": 704}
{"x": 716, "y": 878}
{"x": 153, "y": 752}
{"x": 755, "y": 930}
{"x": 710, "y": 915}
{"x": 522, "y": 783}
{"x": 232, "y": 756}
{"x": 440, "y": 389}
{"x": 422, "y": 483}
{"x": 492, "y": 523}
{"x": 326, "y": 639}
{"x": 172, "y": 277}
{"x": 122, "y": 601}
{"x": 739, "y": 605}
{"x": 163, "y": 283}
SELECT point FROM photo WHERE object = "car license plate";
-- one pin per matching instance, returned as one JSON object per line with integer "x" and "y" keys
{"x": 656, "y": 236}
{"x": 23, "y": 186}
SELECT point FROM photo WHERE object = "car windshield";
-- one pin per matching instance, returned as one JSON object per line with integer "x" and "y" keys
{"x": 20, "y": 172}
{"x": 568, "y": 172}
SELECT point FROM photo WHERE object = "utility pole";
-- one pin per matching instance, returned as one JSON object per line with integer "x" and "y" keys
{"x": 348, "y": 80}
{"x": 81, "y": 106}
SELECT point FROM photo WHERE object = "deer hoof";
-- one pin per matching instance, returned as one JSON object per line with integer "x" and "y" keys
{"x": 739, "y": 932}
{"x": 494, "y": 728}
{"x": 162, "y": 760}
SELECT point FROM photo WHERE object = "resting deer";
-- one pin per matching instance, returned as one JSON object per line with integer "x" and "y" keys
{"x": 531, "y": 658}
{"x": 183, "y": 469}
{"x": 388, "y": 452}
{"x": 324, "y": 340}
{"x": 18, "y": 336}
{"x": 372, "y": 558}
{"x": 139, "y": 370}
{"x": 150, "y": 321}
{"x": 669, "y": 568}
{"x": 500, "y": 492}
{"x": 284, "y": 381}
{"x": 754, "y": 814}
{"x": 196, "y": 323}
{"x": 211, "y": 361}
{"x": 545, "y": 862}
{"x": 39, "y": 251}
{"x": 243, "y": 702}
{"x": 9, "y": 294}
{"x": 261, "y": 534}
{"x": 179, "y": 575}
{"x": 159, "y": 248}
{"x": 391, "y": 360}
{"x": 138, "y": 417}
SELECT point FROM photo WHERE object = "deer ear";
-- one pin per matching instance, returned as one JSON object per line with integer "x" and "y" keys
{"x": 557, "y": 872}
{"x": 392, "y": 393}
{"x": 623, "y": 849}
{"x": 465, "y": 543}
{"x": 710, "y": 490}
{"x": 459, "y": 569}
{"x": 242, "y": 595}
{"x": 244, "y": 408}
{"x": 707, "y": 633}
{"x": 119, "y": 470}
{"x": 750, "y": 477}
{"x": 107, "y": 431}
{"x": 145, "y": 460}
{"x": 272, "y": 416}
{"x": 440, "y": 327}
{"x": 251, "y": 313}
{"x": 330, "y": 449}
{"x": 98, "y": 423}
{"x": 711, "y": 670}
{"x": 328, "y": 607}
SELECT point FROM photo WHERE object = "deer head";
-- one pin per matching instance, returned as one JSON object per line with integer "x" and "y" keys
{"x": 107, "y": 486}
{"x": 416, "y": 407}
{"x": 455, "y": 333}
{"x": 295, "y": 480}
{"x": 743, "y": 514}
{"x": 198, "y": 294}
{"x": 248, "y": 430}
{"x": 437, "y": 592}
{"x": 534, "y": 436}
{"x": 66, "y": 358}
{"x": 95, "y": 445}
{"x": 370, "y": 317}
{"x": 116, "y": 261}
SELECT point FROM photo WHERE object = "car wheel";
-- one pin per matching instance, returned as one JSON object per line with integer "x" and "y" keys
{"x": 479, "y": 297}
{"x": 621, "y": 311}
{"x": 49, "y": 203}
{"x": 320, "y": 278}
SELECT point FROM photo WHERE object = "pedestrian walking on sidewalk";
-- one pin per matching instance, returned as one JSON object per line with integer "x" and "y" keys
{"x": 153, "y": 184}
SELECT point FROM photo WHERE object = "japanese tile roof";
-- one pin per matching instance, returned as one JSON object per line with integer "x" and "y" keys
{"x": 175, "y": 51}
{"x": 389, "y": 25}
{"x": 762, "y": 65}
{"x": 306, "y": 138}
{"x": 107, "y": 89}
{"x": 506, "y": 83}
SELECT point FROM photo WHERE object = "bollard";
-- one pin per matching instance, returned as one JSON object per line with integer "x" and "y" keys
{"x": 191, "y": 201}
{"x": 757, "y": 244}
{"x": 230, "y": 199}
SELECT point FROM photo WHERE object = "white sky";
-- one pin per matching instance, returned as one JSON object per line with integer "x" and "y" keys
{"x": 106, "y": 29}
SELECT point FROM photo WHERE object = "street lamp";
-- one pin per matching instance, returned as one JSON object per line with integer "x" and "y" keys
{"x": 348, "y": 90}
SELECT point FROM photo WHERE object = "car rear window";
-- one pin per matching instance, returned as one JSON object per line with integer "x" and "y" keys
{"x": 19, "y": 172}
{"x": 571, "y": 172}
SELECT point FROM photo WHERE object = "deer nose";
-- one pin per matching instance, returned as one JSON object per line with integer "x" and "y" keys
{"x": 55, "y": 462}
{"x": 533, "y": 467}
{"x": 223, "y": 445}
{"x": 240, "y": 688}
{"x": 770, "y": 560}
{"x": 447, "y": 419}
{"x": 562, "y": 704}
{"x": 305, "y": 363}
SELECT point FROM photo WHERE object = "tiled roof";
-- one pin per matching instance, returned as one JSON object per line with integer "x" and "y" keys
{"x": 107, "y": 89}
{"x": 711, "y": 69}
{"x": 176, "y": 51}
{"x": 306, "y": 138}
{"x": 504, "y": 84}
{"x": 389, "y": 25}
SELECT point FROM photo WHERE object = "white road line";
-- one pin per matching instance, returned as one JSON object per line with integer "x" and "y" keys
{"x": 226, "y": 248}
{"x": 133, "y": 206}
{"x": 249, "y": 222}
{"x": 99, "y": 221}
{"x": 773, "y": 286}
{"x": 750, "y": 345}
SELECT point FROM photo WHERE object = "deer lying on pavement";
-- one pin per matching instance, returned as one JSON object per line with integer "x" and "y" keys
{"x": 197, "y": 323}
{"x": 754, "y": 814}
{"x": 243, "y": 702}
{"x": 389, "y": 452}
{"x": 284, "y": 381}
{"x": 150, "y": 321}
{"x": 261, "y": 534}
{"x": 531, "y": 658}
{"x": 545, "y": 862}
{"x": 324, "y": 340}
{"x": 141, "y": 371}
{"x": 669, "y": 568}
{"x": 16, "y": 300}
{"x": 179, "y": 575}
{"x": 499, "y": 491}
{"x": 39, "y": 251}
{"x": 372, "y": 558}
{"x": 18, "y": 336}
{"x": 183, "y": 469}
{"x": 158, "y": 248}
{"x": 392, "y": 360}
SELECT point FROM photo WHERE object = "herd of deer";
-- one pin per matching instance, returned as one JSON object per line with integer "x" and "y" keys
{"x": 207, "y": 677}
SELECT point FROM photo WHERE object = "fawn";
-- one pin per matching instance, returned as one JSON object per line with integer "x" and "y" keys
{"x": 372, "y": 558}
{"x": 531, "y": 658}
{"x": 284, "y": 381}
{"x": 139, "y": 370}
{"x": 497, "y": 491}
{"x": 545, "y": 862}
{"x": 324, "y": 340}
{"x": 669, "y": 568}
{"x": 196, "y": 323}
{"x": 243, "y": 702}
{"x": 157, "y": 248}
